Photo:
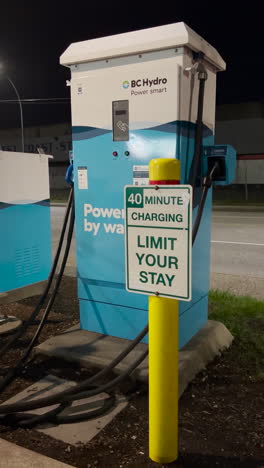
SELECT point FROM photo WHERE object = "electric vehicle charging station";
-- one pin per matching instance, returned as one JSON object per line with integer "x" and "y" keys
{"x": 149, "y": 100}
{"x": 25, "y": 235}
{"x": 135, "y": 98}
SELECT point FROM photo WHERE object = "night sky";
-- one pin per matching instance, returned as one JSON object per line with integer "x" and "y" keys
{"x": 34, "y": 34}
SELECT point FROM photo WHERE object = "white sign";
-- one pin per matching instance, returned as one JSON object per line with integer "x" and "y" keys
{"x": 159, "y": 240}
{"x": 140, "y": 175}
{"x": 82, "y": 178}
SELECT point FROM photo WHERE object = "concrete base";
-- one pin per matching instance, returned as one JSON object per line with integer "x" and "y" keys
{"x": 94, "y": 349}
{"x": 9, "y": 324}
{"x": 15, "y": 295}
{"x": 75, "y": 433}
{"x": 14, "y": 456}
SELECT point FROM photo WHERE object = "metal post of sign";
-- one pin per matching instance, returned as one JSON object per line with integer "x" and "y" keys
{"x": 163, "y": 350}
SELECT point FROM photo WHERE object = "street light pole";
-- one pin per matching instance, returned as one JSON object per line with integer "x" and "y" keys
{"x": 21, "y": 112}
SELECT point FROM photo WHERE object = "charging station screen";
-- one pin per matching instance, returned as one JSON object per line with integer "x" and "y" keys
{"x": 120, "y": 120}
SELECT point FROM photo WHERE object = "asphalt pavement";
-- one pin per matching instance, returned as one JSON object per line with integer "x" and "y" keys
{"x": 237, "y": 249}
{"x": 237, "y": 245}
{"x": 57, "y": 216}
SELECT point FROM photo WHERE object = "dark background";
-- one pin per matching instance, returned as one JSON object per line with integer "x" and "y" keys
{"x": 33, "y": 35}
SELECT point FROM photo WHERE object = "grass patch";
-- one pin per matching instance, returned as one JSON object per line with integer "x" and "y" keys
{"x": 244, "y": 317}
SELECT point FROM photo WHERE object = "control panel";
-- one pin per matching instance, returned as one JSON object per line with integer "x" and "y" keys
{"x": 120, "y": 117}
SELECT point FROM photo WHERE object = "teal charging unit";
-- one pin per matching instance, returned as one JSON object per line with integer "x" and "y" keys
{"x": 134, "y": 98}
{"x": 25, "y": 234}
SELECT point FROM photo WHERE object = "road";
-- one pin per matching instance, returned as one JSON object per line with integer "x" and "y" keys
{"x": 57, "y": 216}
{"x": 237, "y": 249}
{"x": 237, "y": 245}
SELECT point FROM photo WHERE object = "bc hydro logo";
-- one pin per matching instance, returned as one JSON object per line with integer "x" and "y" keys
{"x": 145, "y": 82}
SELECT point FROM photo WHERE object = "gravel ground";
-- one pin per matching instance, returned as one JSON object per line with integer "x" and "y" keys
{"x": 221, "y": 420}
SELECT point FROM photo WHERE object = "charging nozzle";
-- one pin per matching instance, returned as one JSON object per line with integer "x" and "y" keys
{"x": 225, "y": 157}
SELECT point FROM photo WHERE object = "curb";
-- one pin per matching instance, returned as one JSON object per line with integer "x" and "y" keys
{"x": 59, "y": 204}
{"x": 234, "y": 208}
{"x": 15, "y": 456}
{"x": 215, "y": 207}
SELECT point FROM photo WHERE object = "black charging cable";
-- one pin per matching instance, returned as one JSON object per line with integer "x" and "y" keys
{"x": 207, "y": 183}
{"x": 10, "y": 414}
{"x": 30, "y": 321}
{"x": 79, "y": 390}
{"x": 84, "y": 389}
{"x": 202, "y": 77}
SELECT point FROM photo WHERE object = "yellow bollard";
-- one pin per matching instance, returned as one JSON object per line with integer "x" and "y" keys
{"x": 163, "y": 350}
